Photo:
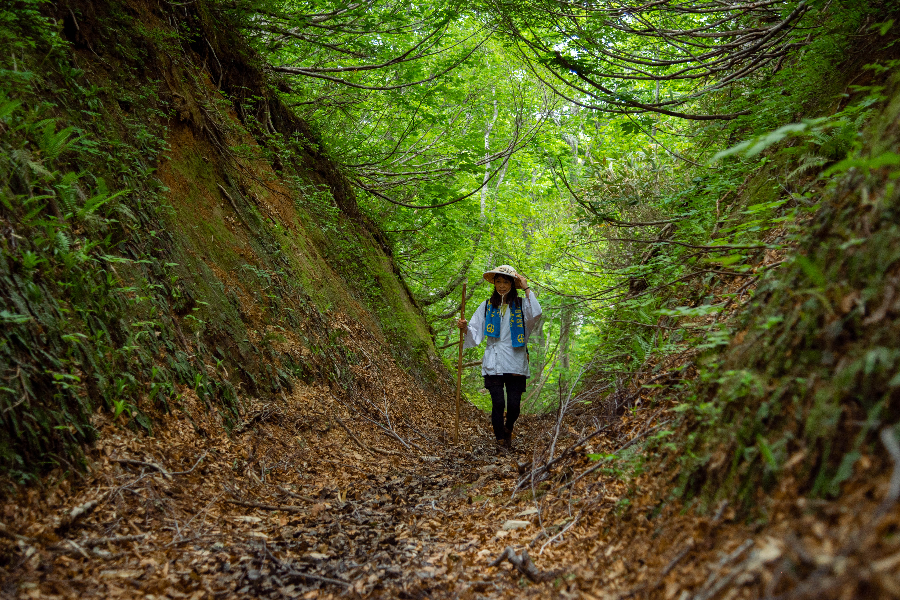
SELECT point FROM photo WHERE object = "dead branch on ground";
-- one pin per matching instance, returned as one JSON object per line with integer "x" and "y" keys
{"x": 143, "y": 463}
{"x": 523, "y": 564}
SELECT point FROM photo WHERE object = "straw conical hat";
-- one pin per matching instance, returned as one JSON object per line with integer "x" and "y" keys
{"x": 501, "y": 270}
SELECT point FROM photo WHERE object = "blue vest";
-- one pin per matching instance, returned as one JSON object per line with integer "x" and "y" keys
{"x": 492, "y": 318}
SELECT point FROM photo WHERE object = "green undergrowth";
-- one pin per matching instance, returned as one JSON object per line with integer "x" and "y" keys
{"x": 156, "y": 240}
{"x": 813, "y": 371}
{"x": 793, "y": 388}
{"x": 723, "y": 219}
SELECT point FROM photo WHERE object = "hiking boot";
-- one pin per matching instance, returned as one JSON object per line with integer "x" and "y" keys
{"x": 503, "y": 445}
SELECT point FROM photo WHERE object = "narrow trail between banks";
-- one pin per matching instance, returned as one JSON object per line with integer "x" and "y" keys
{"x": 295, "y": 504}
{"x": 312, "y": 497}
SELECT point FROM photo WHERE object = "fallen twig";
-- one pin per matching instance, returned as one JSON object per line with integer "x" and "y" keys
{"x": 191, "y": 470}
{"x": 295, "y": 495}
{"x": 294, "y": 509}
{"x": 259, "y": 416}
{"x": 601, "y": 463}
{"x": 142, "y": 463}
{"x": 360, "y": 443}
{"x": 545, "y": 468}
{"x": 202, "y": 511}
{"x": 714, "y": 584}
{"x": 75, "y": 514}
{"x": 559, "y": 533}
{"x": 645, "y": 588}
{"x": 523, "y": 564}
{"x": 289, "y": 571}
{"x": 551, "y": 448}
{"x": 4, "y": 531}
{"x": 90, "y": 543}
{"x": 674, "y": 562}
{"x": 78, "y": 549}
{"x": 641, "y": 435}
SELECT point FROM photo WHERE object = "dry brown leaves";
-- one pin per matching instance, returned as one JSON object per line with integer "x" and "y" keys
{"x": 329, "y": 494}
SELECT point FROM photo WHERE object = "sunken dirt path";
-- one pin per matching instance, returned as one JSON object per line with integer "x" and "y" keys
{"x": 294, "y": 506}
{"x": 315, "y": 498}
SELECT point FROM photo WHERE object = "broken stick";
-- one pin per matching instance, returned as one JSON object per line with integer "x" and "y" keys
{"x": 523, "y": 564}
{"x": 69, "y": 520}
{"x": 91, "y": 543}
{"x": 143, "y": 463}
{"x": 260, "y": 506}
{"x": 358, "y": 442}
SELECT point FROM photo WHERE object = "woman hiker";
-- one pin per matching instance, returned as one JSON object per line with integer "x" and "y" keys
{"x": 506, "y": 319}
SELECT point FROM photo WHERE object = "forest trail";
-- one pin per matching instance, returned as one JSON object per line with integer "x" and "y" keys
{"x": 292, "y": 506}
{"x": 285, "y": 426}
{"x": 295, "y": 506}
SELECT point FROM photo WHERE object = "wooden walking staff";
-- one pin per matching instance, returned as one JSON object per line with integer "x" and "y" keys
{"x": 462, "y": 315}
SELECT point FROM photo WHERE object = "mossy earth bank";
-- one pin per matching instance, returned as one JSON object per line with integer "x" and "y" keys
{"x": 170, "y": 227}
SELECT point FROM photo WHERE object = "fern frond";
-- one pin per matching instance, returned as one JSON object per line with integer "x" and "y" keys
{"x": 8, "y": 107}
{"x": 67, "y": 192}
{"x": 808, "y": 162}
{"x": 820, "y": 138}
{"x": 51, "y": 142}
{"x": 39, "y": 169}
{"x": 92, "y": 204}
{"x": 126, "y": 212}
{"x": 63, "y": 244}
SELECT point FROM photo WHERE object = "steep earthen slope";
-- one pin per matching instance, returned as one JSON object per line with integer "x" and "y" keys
{"x": 172, "y": 228}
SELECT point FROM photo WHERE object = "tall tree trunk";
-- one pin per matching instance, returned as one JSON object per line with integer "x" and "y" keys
{"x": 565, "y": 329}
{"x": 655, "y": 143}
{"x": 487, "y": 152}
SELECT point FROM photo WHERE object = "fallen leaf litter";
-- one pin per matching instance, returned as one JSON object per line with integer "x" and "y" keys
{"x": 323, "y": 496}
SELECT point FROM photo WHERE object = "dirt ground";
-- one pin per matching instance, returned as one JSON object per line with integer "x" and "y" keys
{"x": 310, "y": 499}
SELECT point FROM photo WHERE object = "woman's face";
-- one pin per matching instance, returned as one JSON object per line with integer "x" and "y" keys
{"x": 502, "y": 285}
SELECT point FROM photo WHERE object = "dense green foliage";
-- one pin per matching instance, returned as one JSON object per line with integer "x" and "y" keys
{"x": 643, "y": 222}
{"x": 554, "y": 137}
{"x": 643, "y": 167}
{"x": 143, "y": 257}
{"x": 824, "y": 318}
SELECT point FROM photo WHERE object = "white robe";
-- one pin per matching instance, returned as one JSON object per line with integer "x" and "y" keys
{"x": 499, "y": 356}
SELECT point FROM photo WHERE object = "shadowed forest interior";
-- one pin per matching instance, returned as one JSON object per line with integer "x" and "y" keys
{"x": 236, "y": 237}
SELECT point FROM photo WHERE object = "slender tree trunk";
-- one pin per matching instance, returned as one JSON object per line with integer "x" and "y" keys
{"x": 487, "y": 152}
{"x": 502, "y": 173}
{"x": 543, "y": 375}
{"x": 565, "y": 329}
{"x": 655, "y": 144}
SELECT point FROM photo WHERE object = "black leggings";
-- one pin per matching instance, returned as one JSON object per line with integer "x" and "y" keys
{"x": 515, "y": 387}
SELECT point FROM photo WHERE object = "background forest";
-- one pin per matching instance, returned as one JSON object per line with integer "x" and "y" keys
{"x": 234, "y": 236}
{"x": 583, "y": 144}
{"x": 644, "y": 165}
